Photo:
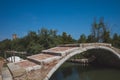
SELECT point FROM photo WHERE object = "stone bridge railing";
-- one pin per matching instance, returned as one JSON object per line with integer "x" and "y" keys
{"x": 95, "y": 44}
{"x": 51, "y": 59}
{"x": 86, "y": 45}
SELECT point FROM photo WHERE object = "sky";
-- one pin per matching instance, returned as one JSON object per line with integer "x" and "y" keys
{"x": 72, "y": 16}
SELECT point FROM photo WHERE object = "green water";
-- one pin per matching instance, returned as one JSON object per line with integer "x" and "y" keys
{"x": 70, "y": 71}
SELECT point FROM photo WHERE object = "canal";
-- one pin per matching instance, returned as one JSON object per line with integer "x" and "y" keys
{"x": 72, "y": 71}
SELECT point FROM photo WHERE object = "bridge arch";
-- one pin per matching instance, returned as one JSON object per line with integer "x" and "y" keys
{"x": 81, "y": 49}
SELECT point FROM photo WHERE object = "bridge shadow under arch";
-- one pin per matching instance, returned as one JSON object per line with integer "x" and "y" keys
{"x": 103, "y": 57}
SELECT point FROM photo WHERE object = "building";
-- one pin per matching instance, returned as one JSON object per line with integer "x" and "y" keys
{"x": 14, "y": 36}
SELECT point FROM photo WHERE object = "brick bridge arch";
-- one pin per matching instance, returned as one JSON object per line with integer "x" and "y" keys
{"x": 42, "y": 66}
{"x": 83, "y": 48}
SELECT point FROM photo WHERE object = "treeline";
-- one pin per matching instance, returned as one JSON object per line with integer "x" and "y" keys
{"x": 45, "y": 38}
{"x": 100, "y": 32}
{"x": 34, "y": 42}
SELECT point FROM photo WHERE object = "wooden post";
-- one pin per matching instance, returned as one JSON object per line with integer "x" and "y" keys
{"x": 14, "y": 56}
{"x": 11, "y": 57}
{"x": 5, "y": 55}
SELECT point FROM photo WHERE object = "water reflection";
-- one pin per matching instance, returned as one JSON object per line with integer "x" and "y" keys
{"x": 79, "y": 72}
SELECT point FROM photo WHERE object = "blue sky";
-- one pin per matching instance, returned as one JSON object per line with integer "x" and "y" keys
{"x": 72, "y": 16}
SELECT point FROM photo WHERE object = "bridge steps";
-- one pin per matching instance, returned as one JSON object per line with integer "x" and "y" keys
{"x": 61, "y": 50}
{"x": 16, "y": 70}
{"x": 41, "y": 66}
{"x": 42, "y": 58}
{"x": 6, "y": 75}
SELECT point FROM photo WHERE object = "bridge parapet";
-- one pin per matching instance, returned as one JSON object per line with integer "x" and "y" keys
{"x": 60, "y": 51}
{"x": 95, "y": 44}
{"x": 69, "y": 45}
{"x": 48, "y": 61}
{"x": 116, "y": 49}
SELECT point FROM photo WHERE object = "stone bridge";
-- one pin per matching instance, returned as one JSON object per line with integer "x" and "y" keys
{"x": 41, "y": 66}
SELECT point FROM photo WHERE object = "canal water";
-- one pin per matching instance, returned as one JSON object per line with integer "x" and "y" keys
{"x": 71, "y": 71}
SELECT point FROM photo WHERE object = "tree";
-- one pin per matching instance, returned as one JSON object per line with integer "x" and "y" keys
{"x": 116, "y": 40}
{"x": 34, "y": 48}
{"x": 32, "y": 36}
{"x": 47, "y": 38}
{"x": 95, "y": 30}
{"x": 106, "y": 37}
{"x": 100, "y": 32}
{"x": 90, "y": 39}
{"x": 70, "y": 39}
{"x": 82, "y": 39}
{"x": 5, "y": 45}
{"x": 66, "y": 39}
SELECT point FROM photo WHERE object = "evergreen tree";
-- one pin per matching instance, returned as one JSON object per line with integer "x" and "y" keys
{"x": 116, "y": 40}
{"x": 90, "y": 39}
{"x": 67, "y": 39}
{"x": 106, "y": 37}
{"x": 82, "y": 39}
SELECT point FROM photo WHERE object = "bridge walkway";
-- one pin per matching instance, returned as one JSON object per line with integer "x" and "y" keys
{"x": 37, "y": 67}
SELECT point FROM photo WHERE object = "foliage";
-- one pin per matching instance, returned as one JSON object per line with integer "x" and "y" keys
{"x": 116, "y": 40}
{"x": 66, "y": 39}
{"x": 90, "y": 39}
{"x": 100, "y": 32}
{"x": 34, "y": 42}
{"x": 5, "y": 44}
{"x": 82, "y": 39}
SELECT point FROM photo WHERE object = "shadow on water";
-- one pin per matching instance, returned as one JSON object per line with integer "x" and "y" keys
{"x": 71, "y": 71}
{"x": 103, "y": 68}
